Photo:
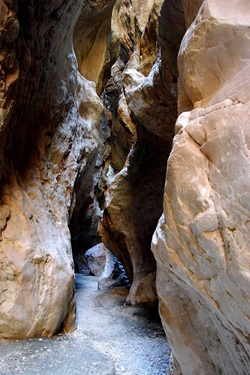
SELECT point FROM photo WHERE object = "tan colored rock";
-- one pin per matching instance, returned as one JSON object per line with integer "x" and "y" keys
{"x": 92, "y": 40}
{"x": 48, "y": 129}
{"x": 222, "y": 44}
{"x": 133, "y": 200}
{"x": 134, "y": 30}
{"x": 202, "y": 241}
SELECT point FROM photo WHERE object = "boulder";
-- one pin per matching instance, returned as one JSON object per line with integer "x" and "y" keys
{"x": 96, "y": 259}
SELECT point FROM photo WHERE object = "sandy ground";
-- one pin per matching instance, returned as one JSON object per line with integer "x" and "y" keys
{"x": 111, "y": 339}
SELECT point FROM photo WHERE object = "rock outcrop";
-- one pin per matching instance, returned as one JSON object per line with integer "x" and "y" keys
{"x": 134, "y": 198}
{"x": 202, "y": 240}
{"x": 48, "y": 129}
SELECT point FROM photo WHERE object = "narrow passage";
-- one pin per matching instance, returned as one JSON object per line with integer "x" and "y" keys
{"x": 111, "y": 339}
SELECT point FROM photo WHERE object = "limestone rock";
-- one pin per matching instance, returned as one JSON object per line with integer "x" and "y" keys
{"x": 92, "y": 40}
{"x": 47, "y": 132}
{"x": 202, "y": 240}
{"x": 84, "y": 211}
{"x": 134, "y": 198}
{"x": 96, "y": 258}
{"x": 113, "y": 275}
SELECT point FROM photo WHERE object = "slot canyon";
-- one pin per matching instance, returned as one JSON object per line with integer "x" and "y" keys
{"x": 124, "y": 136}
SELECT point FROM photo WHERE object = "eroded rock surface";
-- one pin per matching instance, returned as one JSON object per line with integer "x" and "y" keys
{"x": 92, "y": 40}
{"x": 134, "y": 197}
{"x": 47, "y": 132}
{"x": 202, "y": 241}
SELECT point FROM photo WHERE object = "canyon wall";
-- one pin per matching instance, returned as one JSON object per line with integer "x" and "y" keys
{"x": 148, "y": 106}
{"x": 48, "y": 130}
{"x": 202, "y": 240}
{"x": 63, "y": 158}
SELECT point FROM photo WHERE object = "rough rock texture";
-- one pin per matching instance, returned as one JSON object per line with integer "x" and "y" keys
{"x": 45, "y": 144}
{"x": 134, "y": 198}
{"x": 133, "y": 44}
{"x": 202, "y": 241}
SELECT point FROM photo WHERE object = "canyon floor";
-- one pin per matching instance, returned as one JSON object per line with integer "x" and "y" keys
{"x": 111, "y": 339}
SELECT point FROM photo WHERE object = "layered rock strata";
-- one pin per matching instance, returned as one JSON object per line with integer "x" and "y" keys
{"x": 48, "y": 129}
{"x": 202, "y": 240}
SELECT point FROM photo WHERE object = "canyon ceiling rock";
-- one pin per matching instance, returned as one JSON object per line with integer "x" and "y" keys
{"x": 202, "y": 240}
{"x": 47, "y": 131}
{"x": 92, "y": 36}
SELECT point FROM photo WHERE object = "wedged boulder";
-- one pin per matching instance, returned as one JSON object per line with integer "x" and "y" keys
{"x": 202, "y": 240}
{"x": 96, "y": 258}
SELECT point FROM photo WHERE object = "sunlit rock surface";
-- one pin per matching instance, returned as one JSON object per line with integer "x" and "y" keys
{"x": 92, "y": 40}
{"x": 47, "y": 132}
{"x": 202, "y": 240}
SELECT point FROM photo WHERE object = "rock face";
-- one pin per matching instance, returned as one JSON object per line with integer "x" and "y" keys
{"x": 202, "y": 240}
{"x": 47, "y": 131}
{"x": 134, "y": 198}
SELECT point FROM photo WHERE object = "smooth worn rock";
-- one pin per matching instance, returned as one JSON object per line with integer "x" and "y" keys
{"x": 47, "y": 132}
{"x": 84, "y": 211}
{"x": 92, "y": 40}
{"x": 96, "y": 258}
{"x": 202, "y": 240}
{"x": 113, "y": 274}
{"x": 134, "y": 198}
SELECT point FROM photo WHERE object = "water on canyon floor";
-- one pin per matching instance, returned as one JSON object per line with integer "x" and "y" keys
{"x": 111, "y": 339}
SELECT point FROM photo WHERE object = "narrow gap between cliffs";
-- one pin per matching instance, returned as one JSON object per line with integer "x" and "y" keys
{"x": 119, "y": 193}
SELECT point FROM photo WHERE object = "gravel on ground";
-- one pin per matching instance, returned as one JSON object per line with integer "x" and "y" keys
{"x": 111, "y": 339}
